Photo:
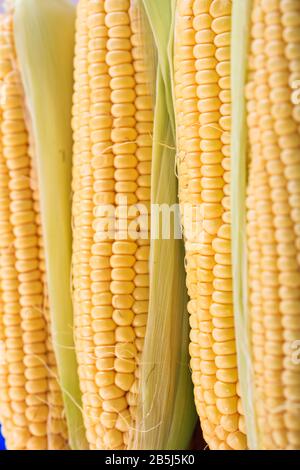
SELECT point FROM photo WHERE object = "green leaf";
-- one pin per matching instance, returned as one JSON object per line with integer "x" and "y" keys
{"x": 239, "y": 61}
{"x": 166, "y": 411}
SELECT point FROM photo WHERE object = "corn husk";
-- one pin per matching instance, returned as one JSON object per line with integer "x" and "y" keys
{"x": 166, "y": 413}
{"x": 239, "y": 59}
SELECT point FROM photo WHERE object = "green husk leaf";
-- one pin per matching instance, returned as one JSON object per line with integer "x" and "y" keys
{"x": 166, "y": 412}
{"x": 44, "y": 37}
{"x": 160, "y": 16}
{"x": 239, "y": 59}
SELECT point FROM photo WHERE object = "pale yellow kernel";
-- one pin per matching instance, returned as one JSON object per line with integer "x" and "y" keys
{"x": 123, "y": 421}
{"x": 115, "y": 406}
{"x": 221, "y": 433}
{"x": 124, "y": 381}
{"x": 113, "y": 439}
{"x": 111, "y": 392}
{"x": 104, "y": 338}
{"x": 104, "y": 379}
{"x": 37, "y": 443}
{"x": 237, "y": 441}
{"x": 207, "y": 427}
{"x": 220, "y": 8}
{"x": 221, "y": 24}
{"x": 126, "y": 366}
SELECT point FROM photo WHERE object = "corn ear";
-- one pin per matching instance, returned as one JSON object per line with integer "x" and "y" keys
{"x": 44, "y": 37}
{"x": 273, "y": 221}
{"x": 31, "y": 394}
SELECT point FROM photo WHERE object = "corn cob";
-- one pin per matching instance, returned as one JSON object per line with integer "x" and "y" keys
{"x": 35, "y": 303}
{"x": 202, "y": 81}
{"x": 5, "y": 405}
{"x": 49, "y": 26}
{"x": 273, "y": 204}
{"x": 28, "y": 355}
{"x": 112, "y": 122}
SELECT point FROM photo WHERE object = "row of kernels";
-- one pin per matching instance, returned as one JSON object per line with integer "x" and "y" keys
{"x": 123, "y": 137}
{"x": 82, "y": 204}
{"x": 103, "y": 171}
{"x": 5, "y": 407}
{"x": 289, "y": 142}
{"x": 291, "y": 38}
{"x": 207, "y": 91}
{"x": 257, "y": 317}
{"x": 56, "y": 425}
{"x": 223, "y": 333}
{"x": 144, "y": 128}
{"x": 189, "y": 189}
{"x": 267, "y": 232}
